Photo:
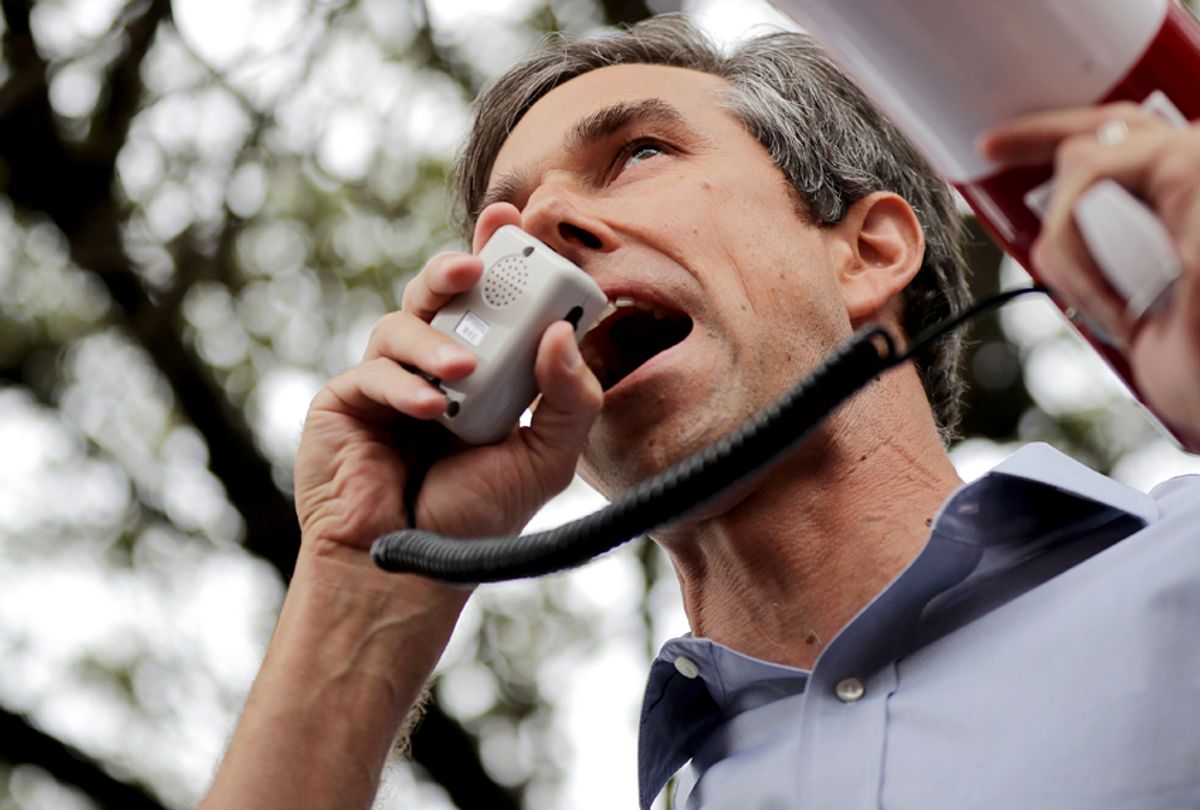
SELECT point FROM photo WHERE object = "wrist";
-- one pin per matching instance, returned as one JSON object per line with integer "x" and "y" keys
{"x": 351, "y": 653}
{"x": 350, "y": 632}
{"x": 349, "y": 573}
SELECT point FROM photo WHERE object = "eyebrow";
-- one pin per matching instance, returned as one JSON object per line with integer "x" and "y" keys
{"x": 588, "y": 131}
{"x": 609, "y": 120}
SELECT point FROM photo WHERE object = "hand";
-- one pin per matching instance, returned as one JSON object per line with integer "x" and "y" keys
{"x": 1160, "y": 165}
{"x": 354, "y": 646}
{"x": 368, "y": 434}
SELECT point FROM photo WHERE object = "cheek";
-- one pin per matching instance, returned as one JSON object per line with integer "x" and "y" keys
{"x": 745, "y": 217}
{"x": 755, "y": 213}
{"x": 695, "y": 214}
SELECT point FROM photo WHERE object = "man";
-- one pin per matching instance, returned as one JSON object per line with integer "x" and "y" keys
{"x": 865, "y": 631}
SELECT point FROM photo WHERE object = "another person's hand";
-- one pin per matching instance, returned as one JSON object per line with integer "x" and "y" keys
{"x": 1160, "y": 165}
{"x": 370, "y": 430}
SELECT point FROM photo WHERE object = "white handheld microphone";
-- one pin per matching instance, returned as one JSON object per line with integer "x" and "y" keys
{"x": 525, "y": 288}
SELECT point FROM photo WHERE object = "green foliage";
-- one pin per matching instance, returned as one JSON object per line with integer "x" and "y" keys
{"x": 202, "y": 218}
{"x": 226, "y": 207}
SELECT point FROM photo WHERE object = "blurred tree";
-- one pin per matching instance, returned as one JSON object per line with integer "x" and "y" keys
{"x": 208, "y": 231}
{"x": 206, "y": 205}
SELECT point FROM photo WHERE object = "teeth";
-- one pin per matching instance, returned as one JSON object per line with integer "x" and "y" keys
{"x": 609, "y": 309}
{"x": 626, "y": 301}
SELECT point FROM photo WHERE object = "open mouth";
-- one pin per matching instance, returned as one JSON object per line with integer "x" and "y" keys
{"x": 631, "y": 335}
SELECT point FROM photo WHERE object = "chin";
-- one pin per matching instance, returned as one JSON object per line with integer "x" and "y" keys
{"x": 617, "y": 459}
{"x": 614, "y": 474}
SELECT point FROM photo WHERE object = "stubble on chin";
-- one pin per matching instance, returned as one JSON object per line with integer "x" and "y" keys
{"x": 618, "y": 458}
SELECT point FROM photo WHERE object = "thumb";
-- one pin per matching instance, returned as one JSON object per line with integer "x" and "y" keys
{"x": 571, "y": 398}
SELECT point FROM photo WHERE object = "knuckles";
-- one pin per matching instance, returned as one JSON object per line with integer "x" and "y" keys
{"x": 419, "y": 296}
{"x": 1080, "y": 154}
{"x": 385, "y": 329}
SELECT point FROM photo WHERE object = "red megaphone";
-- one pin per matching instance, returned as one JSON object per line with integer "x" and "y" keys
{"x": 946, "y": 72}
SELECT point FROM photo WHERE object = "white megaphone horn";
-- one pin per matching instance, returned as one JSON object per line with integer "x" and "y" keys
{"x": 946, "y": 71}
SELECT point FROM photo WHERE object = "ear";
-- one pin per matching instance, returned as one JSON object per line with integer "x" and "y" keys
{"x": 880, "y": 246}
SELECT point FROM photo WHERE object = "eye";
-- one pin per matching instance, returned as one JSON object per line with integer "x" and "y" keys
{"x": 637, "y": 153}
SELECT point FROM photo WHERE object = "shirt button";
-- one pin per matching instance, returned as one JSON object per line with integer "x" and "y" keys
{"x": 686, "y": 667}
{"x": 849, "y": 690}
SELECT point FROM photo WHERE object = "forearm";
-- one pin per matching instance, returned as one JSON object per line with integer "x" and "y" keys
{"x": 350, "y": 655}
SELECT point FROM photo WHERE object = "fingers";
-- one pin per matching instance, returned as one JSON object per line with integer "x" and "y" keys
{"x": 1136, "y": 163}
{"x": 1035, "y": 138}
{"x": 491, "y": 219}
{"x": 379, "y": 390}
{"x": 402, "y": 352}
{"x": 443, "y": 277}
{"x": 449, "y": 274}
{"x": 1158, "y": 164}
{"x": 1172, "y": 186}
{"x": 1150, "y": 158}
{"x": 571, "y": 399}
{"x": 1066, "y": 266}
{"x": 405, "y": 338}
{"x": 1060, "y": 253}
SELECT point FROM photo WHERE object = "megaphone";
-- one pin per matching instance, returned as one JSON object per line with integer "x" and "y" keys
{"x": 946, "y": 72}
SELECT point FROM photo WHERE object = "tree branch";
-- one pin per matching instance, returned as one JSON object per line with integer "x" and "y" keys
{"x": 448, "y": 755}
{"x": 425, "y": 48}
{"x": 22, "y": 743}
{"x": 112, "y": 120}
{"x": 41, "y": 170}
{"x": 73, "y": 188}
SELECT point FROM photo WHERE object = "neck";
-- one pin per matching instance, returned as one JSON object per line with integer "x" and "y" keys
{"x": 781, "y": 571}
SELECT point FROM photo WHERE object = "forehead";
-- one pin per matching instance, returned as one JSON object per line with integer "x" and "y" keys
{"x": 544, "y": 128}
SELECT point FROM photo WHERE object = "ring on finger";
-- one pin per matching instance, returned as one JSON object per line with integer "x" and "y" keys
{"x": 1112, "y": 132}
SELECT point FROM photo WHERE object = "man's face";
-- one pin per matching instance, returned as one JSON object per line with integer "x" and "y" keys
{"x": 637, "y": 174}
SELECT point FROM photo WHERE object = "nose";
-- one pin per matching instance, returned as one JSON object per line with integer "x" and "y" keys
{"x": 555, "y": 217}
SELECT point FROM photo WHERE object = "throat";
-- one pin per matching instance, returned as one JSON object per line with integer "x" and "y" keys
{"x": 778, "y": 574}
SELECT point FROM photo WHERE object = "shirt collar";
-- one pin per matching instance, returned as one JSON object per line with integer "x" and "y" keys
{"x": 1040, "y": 463}
{"x": 696, "y": 684}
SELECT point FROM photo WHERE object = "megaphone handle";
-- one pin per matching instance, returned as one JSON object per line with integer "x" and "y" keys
{"x": 1134, "y": 251}
{"x": 1129, "y": 244}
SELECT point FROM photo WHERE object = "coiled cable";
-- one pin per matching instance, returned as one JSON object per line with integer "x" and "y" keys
{"x": 689, "y": 485}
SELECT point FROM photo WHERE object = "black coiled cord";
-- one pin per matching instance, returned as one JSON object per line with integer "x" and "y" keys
{"x": 685, "y": 487}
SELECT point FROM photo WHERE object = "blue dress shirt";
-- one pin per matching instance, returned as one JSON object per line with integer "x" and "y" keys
{"x": 1041, "y": 653}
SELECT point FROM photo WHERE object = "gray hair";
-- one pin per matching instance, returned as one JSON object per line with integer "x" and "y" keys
{"x": 830, "y": 142}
